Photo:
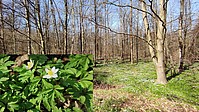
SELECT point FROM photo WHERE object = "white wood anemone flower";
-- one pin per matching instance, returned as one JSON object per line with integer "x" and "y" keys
{"x": 30, "y": 65}
{"x": 51, "y": 73}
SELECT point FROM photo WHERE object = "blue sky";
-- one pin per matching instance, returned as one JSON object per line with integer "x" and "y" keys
{"x": 173, "y": 8}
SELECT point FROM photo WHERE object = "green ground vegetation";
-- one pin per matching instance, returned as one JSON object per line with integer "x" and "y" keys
{"x": 129, "y": 87}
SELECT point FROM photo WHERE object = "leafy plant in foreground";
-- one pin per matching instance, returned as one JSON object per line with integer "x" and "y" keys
{"x": 47, "y": 85}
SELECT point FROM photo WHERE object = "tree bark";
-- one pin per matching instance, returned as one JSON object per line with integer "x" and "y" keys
{"x": 161, "y": 35}
{"x": 158, "y": 58}
{"x": 96, "y": 31}
{"x": 73, "y": 27}
{"x": 13, "y": 26}
{"x": 55, "y": 27}
{"x": 131, "y": 32}
{"x": 28, "y": 26}
{"x": 2, "y": 27}
{"x": 39, "y": 27}
{"x": 81, "y": 34}
{"x": 66, "y": 27}
{"x": 180, "y": 37}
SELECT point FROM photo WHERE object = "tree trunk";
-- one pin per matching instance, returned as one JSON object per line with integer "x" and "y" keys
{"x": 47, "y": 27}
{"x": 73, "y": 27}
{"x": 180, "y": 37}
{"x": 81, "y": 34}
{"x": 13, "y": 27}
{"x": 96, "y": 31}
{"x": 161, "y": 35}
{"x": 55, "y": 27}
{"x": 136, "y": 39}
{"x": 158, "y": 58}
{"x": 66, "y": 27}
{"x": 148, "y": 34}
{"x": 39, "y": 27}
{"x": 28, "y": 27}
{"x": 2, "y": 27}
{"x": 131, "y": 33}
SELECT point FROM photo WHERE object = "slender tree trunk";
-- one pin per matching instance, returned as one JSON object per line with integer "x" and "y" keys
{"x": 55, "y": 26}
{"x": 47, "y": 27}
{"x": 73, "y": 27}
{"x": 13, "y": 26}
{"x": 39, "y": 26}
{"x": 136, "y": 39}
{"x": 180, "y": 37}
{"x": 28, "y": 27}
{"x": 131, "y": 32}
{"x": 96, "y": 31}
{"x": 122, "y": 37}
{"x": 148, "y": 34}
{"x": 66, "y": 27}
{"x": 81, "y": 35}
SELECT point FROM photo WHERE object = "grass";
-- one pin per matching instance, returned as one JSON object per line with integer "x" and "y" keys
{"x": 135, "y": 89}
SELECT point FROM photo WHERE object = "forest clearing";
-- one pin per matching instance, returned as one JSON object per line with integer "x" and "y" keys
{"x": 129, "y": 87}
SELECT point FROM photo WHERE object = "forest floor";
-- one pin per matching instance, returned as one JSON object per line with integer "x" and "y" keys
{"x": 129, "y": 87}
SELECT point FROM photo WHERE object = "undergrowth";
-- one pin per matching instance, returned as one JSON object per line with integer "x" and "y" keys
{"x": 139, "y": 80}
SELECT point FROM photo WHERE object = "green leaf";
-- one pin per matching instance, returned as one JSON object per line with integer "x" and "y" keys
{"x": 46, "y": 85}
{"x": 34, "y": 83}
{"x": 55, "y": 109}
{"x": 15, "y": 87}
{"x": 82, "y": 99}
{"x": 59, "y": 95}
{"x": 4, "y": 69}
{"x": 27, "y": 105}
{"x": 3, "y": 79}
{"x": 23, "y": 77}
{"x": 46, "y": 103}
{"x": 9, "y": 63}
{"x": 45, "y": 91}
{"x": 85, "y": 83}
{"x": 13, "y": 106}
{"x": 33, "y": 110}
{"x": 86, "y": 64}
{"x": 58, "y": 87}
{"x": 5, "y": 59}
{"x": 70, "y": 71}
{"x": 76, "y": 109}
{"x": 2, "y": 109}
{"x": 78, "y": 74}
{"x": 52, "y": 99}
{"x": 19, "y": 69}
{"x": 88, "y": 77}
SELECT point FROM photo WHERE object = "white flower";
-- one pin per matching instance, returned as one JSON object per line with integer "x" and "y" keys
{"x": 52, "y": 73}
{"x": 30, "y": 64}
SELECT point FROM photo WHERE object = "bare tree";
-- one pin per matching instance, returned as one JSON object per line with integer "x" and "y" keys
{"x": 157, "y": 53}
{"x": 180, "y": 37}
{"x": 54, "y": 20}
{"x": 66, "y": 27}
{"x": 96, "y": 30}
{"x": 73, "y": 27}
{"x": 39, "y": 26}
{"x": 46, "y": 24}
{"x": 131, "y": 32}
{"x": 13, "y": 26}
{"x": 28, "y": 25}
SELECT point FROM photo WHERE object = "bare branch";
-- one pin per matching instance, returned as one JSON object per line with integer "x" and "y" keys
{"x": 131, "y": 35}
